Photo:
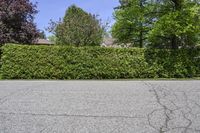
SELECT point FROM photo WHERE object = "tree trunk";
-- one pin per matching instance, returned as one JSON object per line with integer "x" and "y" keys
{"x": 174, "y": 43}
{"x": 141, "y": 39}
{"x": 141, "y": 27}
{"x": 177, "y": 7}
{"x": 177, "y": 4}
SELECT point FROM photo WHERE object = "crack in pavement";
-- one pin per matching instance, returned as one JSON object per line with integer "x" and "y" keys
{"x": 184, "y": 114}
{"x": 162, "y": 96}
{"x": 67, "y": 115}
{"x": 174, "y": 111}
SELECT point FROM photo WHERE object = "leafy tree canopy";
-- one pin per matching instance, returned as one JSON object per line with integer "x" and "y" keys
{"x": 16, "y": 21}
{"x": 131, "y": 22}
{"x": 79, "y": 28}
{"x": 158, "y": 23}
{"x": 177, "y": 26}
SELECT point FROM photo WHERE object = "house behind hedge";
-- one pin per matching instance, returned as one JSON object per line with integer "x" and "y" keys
{"x": 43, "y": 42}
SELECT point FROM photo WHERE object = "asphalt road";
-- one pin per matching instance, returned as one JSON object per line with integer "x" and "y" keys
{"x": 100, "y": 107}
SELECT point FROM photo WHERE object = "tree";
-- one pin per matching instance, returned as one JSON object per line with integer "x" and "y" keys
{"x": 52, "y": 39}
{"x": 178, "y": 24}
{"x": 79, "y": 28}
{"x": 42, "y": 35}
{"x": 132, "y": 24}
{"x": 16, "y": 21}
{"x": 158, "y": 23}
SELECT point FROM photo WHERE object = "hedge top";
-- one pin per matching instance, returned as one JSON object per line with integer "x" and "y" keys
{"x": 67, "y": 62}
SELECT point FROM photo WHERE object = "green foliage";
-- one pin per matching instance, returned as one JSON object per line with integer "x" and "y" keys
{"x": 131, "y": 24}
{"x": 64, "y": 62}
{"x": 175, "y": 63}
{"x": 0, "y": 56}
{"x": 178, "y": 26}
{"x": 79, "y": 28}
{"x": 158, "y": 23}
{"x": 52, "y": 39}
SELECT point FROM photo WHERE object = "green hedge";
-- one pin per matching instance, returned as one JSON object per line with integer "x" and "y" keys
{"x": 64, "y": 62}
{"x": 182, "y": 63}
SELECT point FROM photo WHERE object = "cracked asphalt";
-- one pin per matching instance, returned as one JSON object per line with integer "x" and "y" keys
{"x": 100, "y": 106}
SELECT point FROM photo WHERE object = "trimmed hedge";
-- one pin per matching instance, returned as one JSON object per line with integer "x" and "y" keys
{"x": 182, "y": 63}
{"x": 64, "y": 62}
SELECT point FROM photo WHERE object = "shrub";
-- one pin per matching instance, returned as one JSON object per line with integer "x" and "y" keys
{"x": 174, "y": 63}
{"x": 79, "y": 28}
{"x": 64, "y": 62}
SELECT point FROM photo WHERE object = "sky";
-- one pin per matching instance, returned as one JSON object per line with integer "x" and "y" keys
{"x": 55, "y": 9}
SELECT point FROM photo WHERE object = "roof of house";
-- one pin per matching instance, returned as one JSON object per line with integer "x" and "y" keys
{"x": 43, "y": 41}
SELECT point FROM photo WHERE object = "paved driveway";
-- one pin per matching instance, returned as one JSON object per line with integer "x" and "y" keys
{"x": 100, "y": 107}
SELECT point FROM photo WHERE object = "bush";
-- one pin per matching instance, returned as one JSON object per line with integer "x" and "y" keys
{"x": 180, "y": 63}
{"x": 64, "y": 62}
{"x": 79, "y": 28}
{"x": 0, "y": 56}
